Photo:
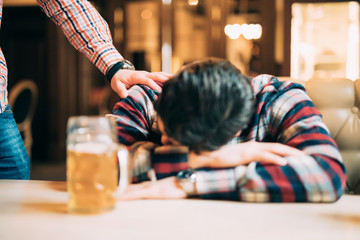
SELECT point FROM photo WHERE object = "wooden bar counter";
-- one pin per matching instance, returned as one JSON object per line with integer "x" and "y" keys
{"x": 38, "y": 210}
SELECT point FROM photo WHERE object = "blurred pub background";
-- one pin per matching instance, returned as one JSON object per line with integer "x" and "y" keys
{"x": 297, "y": 38}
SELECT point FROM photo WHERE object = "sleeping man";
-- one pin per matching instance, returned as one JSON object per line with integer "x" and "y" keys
{"x": 214, "y": 133}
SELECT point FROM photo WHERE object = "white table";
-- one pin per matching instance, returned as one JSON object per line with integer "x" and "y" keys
{"x": 37, "y": 210}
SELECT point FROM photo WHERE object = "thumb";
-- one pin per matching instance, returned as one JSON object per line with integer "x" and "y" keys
{"x": 121, "y": 90}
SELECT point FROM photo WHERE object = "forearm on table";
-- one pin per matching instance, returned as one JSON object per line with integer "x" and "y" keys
{"x": 316, "y": 175}
{"x": 321, "y": 171}
{"x": 303, "y": 179}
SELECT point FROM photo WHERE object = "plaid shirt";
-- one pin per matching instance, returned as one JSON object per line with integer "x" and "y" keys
{"x": 284, "y": 114}
{"x": 83, "y": 26}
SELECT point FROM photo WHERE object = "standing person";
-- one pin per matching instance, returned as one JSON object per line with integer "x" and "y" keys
{"x": 89, "y": 33}
{"x": 215, "y": 133}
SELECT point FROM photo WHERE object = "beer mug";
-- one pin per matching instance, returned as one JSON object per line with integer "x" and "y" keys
{"x": 93, "y": 154}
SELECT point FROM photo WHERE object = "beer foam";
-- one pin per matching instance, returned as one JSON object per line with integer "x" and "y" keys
{"x": 92, "y": 147}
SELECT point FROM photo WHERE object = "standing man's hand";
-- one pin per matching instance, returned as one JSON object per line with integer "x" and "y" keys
{"x": 124, "y": 79}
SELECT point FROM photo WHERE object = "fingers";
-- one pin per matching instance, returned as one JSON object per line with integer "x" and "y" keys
{"x": 282, "y": 150}
{"x": 149, "y": 82}
{"x": 159, "y": 76}
{"x": 272, "y": 158}
{"x": 166, "y": 188}
{"x": 120, "y": 89}
{"x": 136, "y": 191}
{"x": 162, "y": 76}
{"x": 124, "y": 79}
{"x": 275, "y": 153}
{"x": 169, "y": 75}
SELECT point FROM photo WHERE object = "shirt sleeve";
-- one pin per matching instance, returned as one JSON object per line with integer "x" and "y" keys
{"x": 136, "y": 128}
{"x": 86, "y": 30}
{"x": 136, "y": 117}
{"x": 318, "y": 176}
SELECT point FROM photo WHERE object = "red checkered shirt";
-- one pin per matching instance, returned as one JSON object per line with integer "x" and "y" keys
{"x": 284, "y": 113}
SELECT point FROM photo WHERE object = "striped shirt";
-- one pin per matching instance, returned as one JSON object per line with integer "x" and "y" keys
{"x": 86, "y": 30}
{"x": 284, "y": 113}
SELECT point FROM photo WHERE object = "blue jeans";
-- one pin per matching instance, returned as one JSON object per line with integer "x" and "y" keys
{"x": 14, "y": 160}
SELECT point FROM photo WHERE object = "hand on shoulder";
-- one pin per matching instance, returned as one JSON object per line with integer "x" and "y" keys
{"x": 124, "y": 79}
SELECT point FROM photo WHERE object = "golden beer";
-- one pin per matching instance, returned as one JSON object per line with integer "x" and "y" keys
{"x": 92, "y": 177}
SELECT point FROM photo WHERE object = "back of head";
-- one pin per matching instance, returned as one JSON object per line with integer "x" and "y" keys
{"x": 205, "y": 104}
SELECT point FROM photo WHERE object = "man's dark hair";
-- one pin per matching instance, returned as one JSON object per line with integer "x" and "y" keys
{"x": 205, "y": 104}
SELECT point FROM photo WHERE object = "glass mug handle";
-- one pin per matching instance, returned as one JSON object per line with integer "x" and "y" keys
{"x": 125, "y": 169}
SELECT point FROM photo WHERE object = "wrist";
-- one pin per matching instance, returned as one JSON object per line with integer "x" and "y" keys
{"x": 123, "y": 64}
{"x": 187, "y": 180}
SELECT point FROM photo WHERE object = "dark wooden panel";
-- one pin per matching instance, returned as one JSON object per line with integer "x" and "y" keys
{"x": 267, "y": 43}
{"x": 24, "y": 43}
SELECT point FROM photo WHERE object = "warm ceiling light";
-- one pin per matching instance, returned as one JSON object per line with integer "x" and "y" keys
{"x": 252, "y": 31}
{"x": 193, "y": 2}
{"x": 146, "y": 14}
{"x": 166, "y": 2}
{"x": 249, "y": 31}
{"x": 233, "y": 31}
